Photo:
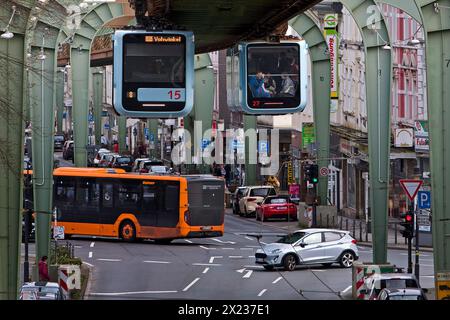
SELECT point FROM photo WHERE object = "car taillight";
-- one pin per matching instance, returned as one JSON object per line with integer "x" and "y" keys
{"x": 354, "y": 241}
{"x": 251, "y": 199}
{"x": 187, "y": 217}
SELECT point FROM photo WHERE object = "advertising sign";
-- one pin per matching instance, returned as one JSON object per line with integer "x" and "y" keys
{"x": 308, "y": 136}
{"x": 333, "y": 47}
{"x": 404, "y": 138}
{"x": 421, "y": 136}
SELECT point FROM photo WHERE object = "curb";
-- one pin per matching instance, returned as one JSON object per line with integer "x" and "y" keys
{"x": 367, "y": 244}
{"x": 87, "y": 290}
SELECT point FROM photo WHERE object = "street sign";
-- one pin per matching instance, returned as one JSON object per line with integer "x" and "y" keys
{"x": 424, "y": 199}
{"x": 146, "y": 131}
{"x": 58, "y": 232}
{"x": 324, "y": 171}
{"x": 331, "y": 20}
{"x": 263, "y": 147}
{"x": 411, "y": 187}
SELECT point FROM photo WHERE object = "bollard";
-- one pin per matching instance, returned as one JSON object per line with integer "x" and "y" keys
{"x": 367, "y": 232}
{"x": 354, "y": 230}
{"x": 395, "y": 232}
{"x": 360, "y": 230}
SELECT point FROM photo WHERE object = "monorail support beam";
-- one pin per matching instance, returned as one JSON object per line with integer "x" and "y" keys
{"x": 250, "y": 122}
{"x": 122, "y": 134}
{"x": 59, "y": 100}
{"x": 97, "y": 82}
{"x": 321, "y": 75}
{"x": 152, "y": 125}
{"x": 436, "y": 19}
{"x": 375, "y": 35}
{"x": 11, "y": 152}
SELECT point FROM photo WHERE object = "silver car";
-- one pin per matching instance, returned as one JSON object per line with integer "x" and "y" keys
{"x": 309, "y": 246}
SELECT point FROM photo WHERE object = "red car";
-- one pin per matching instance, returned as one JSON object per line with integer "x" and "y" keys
{"x": 276, "y": 207}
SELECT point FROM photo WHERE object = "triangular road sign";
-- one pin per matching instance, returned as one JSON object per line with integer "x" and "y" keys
{"x": 411, "y": 187}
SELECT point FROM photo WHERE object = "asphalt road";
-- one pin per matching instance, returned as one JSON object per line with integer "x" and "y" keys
{"x": 214, "y": 268}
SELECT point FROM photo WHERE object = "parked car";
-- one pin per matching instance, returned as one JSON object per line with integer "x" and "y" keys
{"x": 379, "y": 281}
{"x": 238, "y": 194}
{"x": 144, "y": 166}
{"x": 309, "y": 246}
{"x": 122, "y": 162}
{"x": 98, "y": 156}
{"x": 276, "y": 207}
{"x": 402, "y": 294}
{"x": 106, "y": 159}
{"x": 68, "y": 152}
{"x": 253, "y": 197}
{"x": 59, "y": 142}
{"x": 43, "y": 290}
{"x": 66, "y": 145}
{"x": 137, "y": 163}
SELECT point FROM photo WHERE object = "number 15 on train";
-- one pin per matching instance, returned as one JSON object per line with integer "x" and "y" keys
{"x": 153, "y": 73}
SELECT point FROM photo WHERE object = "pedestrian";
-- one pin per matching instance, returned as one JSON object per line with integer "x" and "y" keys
{"x": 116, "y": 147}
{"x": 43, "y": 269}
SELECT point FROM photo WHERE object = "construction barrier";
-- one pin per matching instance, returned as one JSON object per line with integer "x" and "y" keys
{"x": 69, "y": 277}
{"x": 361, "y": 271}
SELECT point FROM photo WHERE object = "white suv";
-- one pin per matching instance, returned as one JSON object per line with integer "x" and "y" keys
{"x": 253, "y": 197}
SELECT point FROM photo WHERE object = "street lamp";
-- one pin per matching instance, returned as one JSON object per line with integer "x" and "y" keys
{"x": 6, "y": 33}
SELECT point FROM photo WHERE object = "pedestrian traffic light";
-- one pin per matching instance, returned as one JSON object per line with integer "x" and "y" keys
{"x": 312, "y": 173}
{"x": 408, "y": 224}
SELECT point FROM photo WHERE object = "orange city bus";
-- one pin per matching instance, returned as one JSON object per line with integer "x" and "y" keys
{"x": 112, "y": 203}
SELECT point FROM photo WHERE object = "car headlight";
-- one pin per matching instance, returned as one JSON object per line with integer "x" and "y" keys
{"x": 275, "y": 251}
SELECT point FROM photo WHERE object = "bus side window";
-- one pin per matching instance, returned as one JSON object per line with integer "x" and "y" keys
{"x": 107, "y": 199}
{"x": 88, "y": 193}
{"x": 130, "y": 194}
{"x": 171, "y": 197}
{"x": 65, "y": 190}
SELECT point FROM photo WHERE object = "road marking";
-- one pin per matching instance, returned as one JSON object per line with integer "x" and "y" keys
{"x": 88, "y": 264}
{"x": 188, "y": 241}
{"x": 220, "y": 241}
{"x": 227, "y": 248}
{"x": 241, "y": 270}
{"x": 277, "y": 279}
{"x": 206, "y": 248}
{"x": 78, "y": 247}
{"x": 110, "y": 260}
{"x": 191, "y": 284}
{"x": 262, "y": 242}
{"x": 251, "y": 257}
{"x": 152, "y": 261}
{"x": 211, "y": 260}
{"x": 92, "y": 244}
{"x": 90, "y": 254}
{"x": 207, "y": 264}
{"x": 317, "y": 270}
{"x": 345, "y": 290}
{"x": 262, "y": 292}
{"x": 426, "y": 265}
{"x": 127, "y": 293}
{"x": 254, "y": 246}
{"x": 427, "y": 276}
{"x": 248, "y": 274}
{"x": 248, "y": 238}
{"x": 254, "y": 267}
{"x": 235, "y": 257}
{"x": 246, "y": 249}
{"x": 206, "y": 270}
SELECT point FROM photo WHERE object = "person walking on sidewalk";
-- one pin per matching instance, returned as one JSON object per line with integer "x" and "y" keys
{"x": 43, "y": 269}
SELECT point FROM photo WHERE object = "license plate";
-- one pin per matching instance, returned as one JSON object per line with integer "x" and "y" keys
{"x": 259, "y": 260}
{"x": 206, "y": 228}
{"x": 282, "y": 208}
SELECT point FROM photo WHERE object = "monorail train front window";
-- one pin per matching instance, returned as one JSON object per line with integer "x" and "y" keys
{"x": 273, "y": 72}
{"x": 157, "y": 64}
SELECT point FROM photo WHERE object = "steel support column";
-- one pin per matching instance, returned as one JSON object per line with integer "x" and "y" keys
{"x": 203, "y": 105}
{"x": 436, "y": 18}
{"x": 97, "y": 83}
{"x": 152, "y": 125}
{"x": 250, "y": 122}
{"x": 122, "y": 135}
{"x": 11, "y": 153}
{"x": 374, "y": 32}
{"x": 42, "y": 117}
{"x": 79, "y": 60}
{"x": 321, "y": 77}
{"x": 59, "y": 100}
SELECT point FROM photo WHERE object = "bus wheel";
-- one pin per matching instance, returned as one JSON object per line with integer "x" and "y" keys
{"x": 127, "y": 231}
{"x": 162, "y": 241}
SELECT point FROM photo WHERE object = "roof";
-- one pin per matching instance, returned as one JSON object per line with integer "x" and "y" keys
{"x": 40, "y": 284}
{"x": 404, "y": 292}
{"x": 312, "y": 230}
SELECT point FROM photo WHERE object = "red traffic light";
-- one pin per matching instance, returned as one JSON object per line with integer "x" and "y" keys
{"x": 409, "y": 218}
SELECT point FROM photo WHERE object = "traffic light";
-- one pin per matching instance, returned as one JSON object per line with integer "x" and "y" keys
{"x": 312, "y": 173}
{"x": 408, "y": 224}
